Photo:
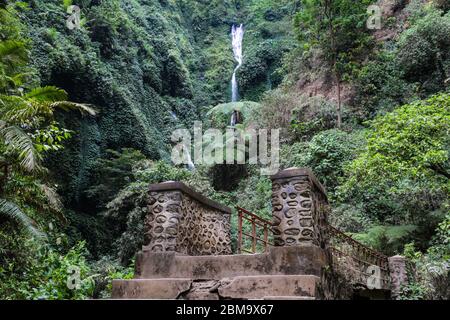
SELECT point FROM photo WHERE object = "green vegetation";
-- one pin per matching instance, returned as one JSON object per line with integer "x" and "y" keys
{"x": 337, "y": 29}
{"x": 86, "y": 117}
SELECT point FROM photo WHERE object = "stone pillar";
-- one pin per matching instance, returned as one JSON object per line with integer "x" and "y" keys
{"x": 182, "y": 220}
{"x": 162, "y": 220}
{"x": 398, "y": 273}
{"x": 299, "y": 208}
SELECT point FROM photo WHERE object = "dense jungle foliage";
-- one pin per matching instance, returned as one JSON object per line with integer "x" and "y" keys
{"x": 86, "y": 117}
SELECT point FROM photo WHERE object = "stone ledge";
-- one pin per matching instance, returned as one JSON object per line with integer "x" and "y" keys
{"x": 149, "y": 288}
{"x": 176, "y": 185}
{"x": 294, "y": 260}
{"x": 253, "y": 287}
{"x": 288, "y": 298}
{"x": 294, "y": 171}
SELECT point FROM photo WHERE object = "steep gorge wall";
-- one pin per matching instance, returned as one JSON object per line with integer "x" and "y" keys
{"x": 140, "y": 62}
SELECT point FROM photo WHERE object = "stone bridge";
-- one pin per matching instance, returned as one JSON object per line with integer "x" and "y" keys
{"x": 188, "y": 250}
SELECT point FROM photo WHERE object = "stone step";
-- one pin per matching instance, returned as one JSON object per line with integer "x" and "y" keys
{"x": 269, "y": 287}
{"x": 288, "y": 298}
{"x": 295, "y": 260}
{"x": 257, "y": 287}
{"x": 149, "y": 288}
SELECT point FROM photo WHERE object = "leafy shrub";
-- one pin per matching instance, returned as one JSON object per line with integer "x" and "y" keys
{"x": 314, "y": 115}
{"x": 423, "y": 50}
{"x": 380, "y": 87}
{"x": 48, "y": 275}
{"x": 350, "y": 218}
{"x": 402, "y": 176}
{"x": 111, "y": 174}
{"x": 387, "y": 239}
{"x": 429, "y": 275}
{"x": 108, "y": 270}
{"x": 326, "y": 154}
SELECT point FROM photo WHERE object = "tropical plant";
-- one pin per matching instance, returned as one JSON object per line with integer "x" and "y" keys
{"x": 402, "y": 176}
{"x": 25, "y": 115}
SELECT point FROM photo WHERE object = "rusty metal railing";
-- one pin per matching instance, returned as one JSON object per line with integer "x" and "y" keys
{"x": 258, "y": 225}
{"x": 358, "y": 261}
{"x": 355, "y": 260}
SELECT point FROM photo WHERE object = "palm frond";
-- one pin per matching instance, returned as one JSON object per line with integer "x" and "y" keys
{"x": 13, "y": 80}
{"x": 17, "y": 139}
{"x": 67, "y": 105}
{"x": 46, "y": 94}
{"x": 16, "y": 109}
{"x": 12, "y": 212}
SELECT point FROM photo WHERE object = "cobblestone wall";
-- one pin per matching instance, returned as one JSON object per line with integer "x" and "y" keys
{"x": 299, "y": 208}
{"x": 181, "y": 220}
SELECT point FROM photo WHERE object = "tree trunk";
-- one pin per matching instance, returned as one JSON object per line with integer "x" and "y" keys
{"x": 338, "y": 109}
{"x": 4, "y": 179}
{"x": 328, "y": 12}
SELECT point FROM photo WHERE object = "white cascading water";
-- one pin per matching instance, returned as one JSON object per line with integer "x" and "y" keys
{"x": 237, "y": 34}
{"x": 174, "y": 115}
{"x": 188, "y": 159}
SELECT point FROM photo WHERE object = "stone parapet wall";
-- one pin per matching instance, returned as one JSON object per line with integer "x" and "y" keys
{"x": 299, "y": 208}
{"x": 181, "y": 220}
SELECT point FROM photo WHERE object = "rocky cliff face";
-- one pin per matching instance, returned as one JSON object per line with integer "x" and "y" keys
{"x": 148, "y": 67}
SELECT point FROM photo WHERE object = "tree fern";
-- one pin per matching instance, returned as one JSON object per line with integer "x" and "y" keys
{"x": 227, "y": 108}
{"x": 54, "y": 201}
{"x": 12, "y": 212}
{"x": 389, "y": 239}
{"x": 39, "y": 103}
{"x": 68, "y": 105}
{"x": 46, "y": 94}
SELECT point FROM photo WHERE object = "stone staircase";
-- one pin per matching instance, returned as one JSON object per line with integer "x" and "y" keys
{"x": 281, "y": 273}
{"x": 187, "y": 252}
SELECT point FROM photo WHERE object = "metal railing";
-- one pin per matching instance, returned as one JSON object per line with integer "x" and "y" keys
{"x": 259, "y": 227}
{"x": 349, "y": 256}
{"x": 357, "y": 261}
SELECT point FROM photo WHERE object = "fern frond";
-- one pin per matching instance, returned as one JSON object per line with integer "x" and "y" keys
{"x": 46, "y": 94}
{"x": 15, "y": 109}
{"x": 12, "y": 212}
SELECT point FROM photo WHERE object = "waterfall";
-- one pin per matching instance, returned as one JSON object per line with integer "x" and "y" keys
{"x": 173, "y": 115}
{"x": 237, "y": 34}
{"x": 233, "y": 120}
{"x": 188, "y": 159}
